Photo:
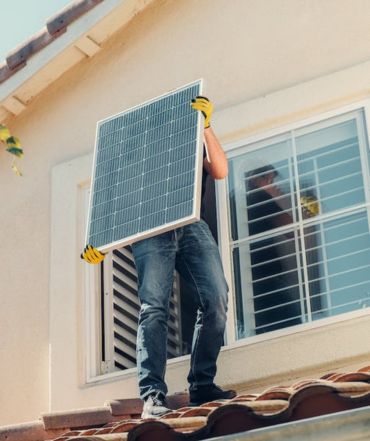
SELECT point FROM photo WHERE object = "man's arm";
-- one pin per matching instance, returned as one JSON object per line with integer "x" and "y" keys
{"x": 217, "y": 165}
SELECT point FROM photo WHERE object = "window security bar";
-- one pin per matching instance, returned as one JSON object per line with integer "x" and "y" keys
{"x": 331, "y": 275}
{"x": 280, "y": 322}
{"x": 277, "y": 259}
{"x": 277, "y": 291}
{"x": 279, "y": 306}
{"x": 315, "y": 264}
{"x": 275, "y": 236}
{"x": 364, "y": 301}
{"x": 335, "y": 242}
{"x": 342, "y": 193}
{"x": 288, "y": 211}
{"x": 343, "y": 256}
{"x": 292, "y": 271}
{"x": 331, "y": 259}
{"x": 331, "y": 181}
{"x": 318, "y": 295}
{"x": 322, "y": 200}
{"x": 343, "y": 288}
{"x": 309, "y": 222}
{"x": 338, "y": 151}
{"x": 342, "y": 224}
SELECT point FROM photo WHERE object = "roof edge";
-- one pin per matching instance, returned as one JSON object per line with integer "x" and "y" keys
{"x": 33, "y": 65}
{"x": 349, "y": 425}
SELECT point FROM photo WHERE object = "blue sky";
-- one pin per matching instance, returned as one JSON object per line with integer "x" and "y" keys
{"x": 22, "y": 18}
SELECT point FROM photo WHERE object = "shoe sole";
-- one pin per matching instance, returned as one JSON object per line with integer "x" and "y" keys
{"x": 147, "y": 416}
{"x": 199, "y": 403}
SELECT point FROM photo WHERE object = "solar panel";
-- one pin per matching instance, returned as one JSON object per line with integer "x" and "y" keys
{"x": 147, "y": 170}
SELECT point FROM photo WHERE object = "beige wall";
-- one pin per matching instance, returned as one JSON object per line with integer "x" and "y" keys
{"x": 248, "y": 51}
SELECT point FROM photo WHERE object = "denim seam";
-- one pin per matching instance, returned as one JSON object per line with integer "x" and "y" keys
{"x": 200, "y": 301}
{"x": 204, "y": 226}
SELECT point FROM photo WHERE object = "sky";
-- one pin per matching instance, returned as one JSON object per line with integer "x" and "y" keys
{"x": 22, "y": 18}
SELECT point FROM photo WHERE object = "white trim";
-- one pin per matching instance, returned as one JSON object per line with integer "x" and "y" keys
{"x": 299, "y": 330}
{"x": 301, "y": 250}
{"x": 108, "y": 312}
{"x": 223, "y": 229}
{"x": 366, "y": 141}
{"x": 69, "y": 357}
{"x": 91, "y": 278}
{"x": 264, "y": 135}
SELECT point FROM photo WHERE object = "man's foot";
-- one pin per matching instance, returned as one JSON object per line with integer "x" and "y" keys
{"x": 155, "y": 406}
{"x": 204, "y": 394}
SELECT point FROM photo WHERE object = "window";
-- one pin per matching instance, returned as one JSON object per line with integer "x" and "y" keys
{"x": 299, "y": 225}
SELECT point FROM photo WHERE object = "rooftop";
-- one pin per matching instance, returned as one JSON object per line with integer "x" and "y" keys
{"x": 120, "y": 419}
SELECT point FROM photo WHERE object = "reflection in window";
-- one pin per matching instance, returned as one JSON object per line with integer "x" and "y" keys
{"x": 300, "y": 225}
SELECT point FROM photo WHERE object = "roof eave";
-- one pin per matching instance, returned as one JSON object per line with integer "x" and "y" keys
{"x": 59, "y": 49}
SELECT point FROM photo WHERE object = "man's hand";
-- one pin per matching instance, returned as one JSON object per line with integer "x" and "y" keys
{"x": 92, "y": 255}
{"x": 205, "y": 106}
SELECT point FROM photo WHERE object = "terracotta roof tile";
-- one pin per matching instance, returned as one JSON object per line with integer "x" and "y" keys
{"x": 19, "y": 55}
{"x": 125, "y": 407}
{"x": 77, "y": 418}
{"x": 32, "y": 431}
{"x": 55, "y": 26}
{"x": 58, "y": 22}
{"x": 304, "y": 399}
{"x": 365, "y": 369}
{"x": 120, "y": 420}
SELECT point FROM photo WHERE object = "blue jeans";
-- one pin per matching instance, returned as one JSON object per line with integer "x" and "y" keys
{"x": 194, "y": 253}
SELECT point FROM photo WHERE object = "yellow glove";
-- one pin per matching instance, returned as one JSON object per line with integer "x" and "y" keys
{"x": 92, "y": 255}
{"x": 311, "y": 205}
{"x": 204, "y": 105}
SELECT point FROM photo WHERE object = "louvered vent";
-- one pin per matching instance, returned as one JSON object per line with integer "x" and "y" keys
{"x": 121, "y": 313}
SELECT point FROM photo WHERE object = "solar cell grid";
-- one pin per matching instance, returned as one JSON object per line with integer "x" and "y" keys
{"x": 147, "y": 166}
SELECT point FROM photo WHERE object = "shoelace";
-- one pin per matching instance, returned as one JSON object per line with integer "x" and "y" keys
{"x": 157, "y": 400}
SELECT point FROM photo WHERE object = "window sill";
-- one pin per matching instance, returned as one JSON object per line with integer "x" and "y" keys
{"x": 264, "y": 360}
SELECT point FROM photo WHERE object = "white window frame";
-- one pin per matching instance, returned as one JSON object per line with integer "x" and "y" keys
{"x": 224, "y": 239}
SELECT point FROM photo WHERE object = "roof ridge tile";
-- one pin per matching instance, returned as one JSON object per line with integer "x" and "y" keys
{"x": 59, "y": 21}
{"x": 54, "y": 27}
{"x": 78, "y": 418}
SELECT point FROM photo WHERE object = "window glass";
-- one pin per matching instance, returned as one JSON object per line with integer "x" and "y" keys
{"x": 329, "y": 166}
{"x": 299, "y": 226}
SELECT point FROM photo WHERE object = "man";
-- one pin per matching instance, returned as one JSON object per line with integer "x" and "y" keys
{"x": 276, "y": 295}
{"x": 193, "y": 252}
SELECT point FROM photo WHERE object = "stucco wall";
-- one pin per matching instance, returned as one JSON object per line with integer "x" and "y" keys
{"x": 246, "y": 50}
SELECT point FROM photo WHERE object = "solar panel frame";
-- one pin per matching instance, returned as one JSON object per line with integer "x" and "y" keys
{"x": 130, "y": 186}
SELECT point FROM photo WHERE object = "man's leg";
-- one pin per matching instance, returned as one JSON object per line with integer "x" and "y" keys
{"x": 155, "y": 262}
{"x": 200, "y": 263}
